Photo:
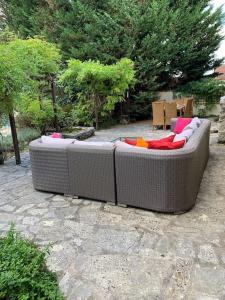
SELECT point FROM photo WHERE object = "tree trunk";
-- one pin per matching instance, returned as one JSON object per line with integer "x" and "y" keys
{"x": 53, "y": 90}
{"x": 96, "y": 112}
{"x": 14, "y": 138}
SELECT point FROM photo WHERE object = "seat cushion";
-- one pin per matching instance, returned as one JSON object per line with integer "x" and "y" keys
{"x": 56, "y": 141}
{"x": 97, "y": 144}
{"x": 184, "y": 135}
{"x": 194, "y": 124}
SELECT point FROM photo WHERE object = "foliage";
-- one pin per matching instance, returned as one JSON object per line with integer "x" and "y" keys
{"x": 12, "y": 78}
{"x": 165, "y": 50}
{"x": 206, "y": 91}
{"x": 24, "y": 275}
{"x": 171, "y": 42}
{"x": 23, "y": 66}
{"x": 100, "y": 86}
{"x": 35, "y": 113}
{"x": 25, "y": 135}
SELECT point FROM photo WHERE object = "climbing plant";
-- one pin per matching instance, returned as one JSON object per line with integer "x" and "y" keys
{"x": 99, "y": 86}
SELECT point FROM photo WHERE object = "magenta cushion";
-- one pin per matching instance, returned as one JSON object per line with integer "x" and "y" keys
{"x": 56, "y": 135}
{"x": 180, "y": 124}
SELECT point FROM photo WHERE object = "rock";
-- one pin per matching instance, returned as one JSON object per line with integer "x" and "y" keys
{"x": 209, "y": 280}
{"x": 207, "y": 254}
{"x": 221, "y": 136}
{"x": 7, "y": 208}
{"x": 30, "y": 220}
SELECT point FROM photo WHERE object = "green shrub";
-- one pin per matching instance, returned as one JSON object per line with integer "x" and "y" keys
{"x": 25, "y": 135}
{"x": 100, "y": 87}
{"x": 206, "y": 92}
{"x": 24, "y": 275}
{"x": 35, "y": 113}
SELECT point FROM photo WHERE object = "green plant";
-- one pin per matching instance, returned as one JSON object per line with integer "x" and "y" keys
{"x": 100, "y": 86}
{"x": 206, "y": 92}
{"x": 25, "y": 135}
{"x": 35, "y": 113}
{"x": 24, "y": 275}
{"x": 25, "y": 66}
{"x": 171, "y": 42}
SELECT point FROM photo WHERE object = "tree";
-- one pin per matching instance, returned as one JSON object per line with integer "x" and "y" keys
{"x": 170, "y": 42}
{"x": 24, "y": 64}
{"x": 45, "y": 58}
{"x": 100, "y": 86}
{"x": 12, "y": 79}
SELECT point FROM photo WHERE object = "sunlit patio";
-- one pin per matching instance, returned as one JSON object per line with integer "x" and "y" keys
{"x": 108, "y": 252}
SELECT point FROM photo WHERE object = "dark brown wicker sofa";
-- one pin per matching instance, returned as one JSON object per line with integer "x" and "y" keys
{"x": 164, "y": 181}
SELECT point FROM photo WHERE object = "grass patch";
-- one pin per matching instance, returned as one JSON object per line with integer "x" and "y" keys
{"x": 23, "y": 272}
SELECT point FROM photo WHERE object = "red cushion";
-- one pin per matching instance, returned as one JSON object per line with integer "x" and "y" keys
{"x": 130, "y": 142}
{"x": 166, "y": 139}
{"x": 166, "y": 145}
{"x": 180, "y": 124}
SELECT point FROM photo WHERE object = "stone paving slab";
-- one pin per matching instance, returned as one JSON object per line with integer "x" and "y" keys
{"x": 108, "y": 252}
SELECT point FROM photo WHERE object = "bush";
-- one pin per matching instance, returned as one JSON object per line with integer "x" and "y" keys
{"x": 206, "y": 91}
{"x": 35, "y": 113}
{"x": 100, "y": 87}
{"x": 25, "y": 135}
{"x": 24, "y": 275}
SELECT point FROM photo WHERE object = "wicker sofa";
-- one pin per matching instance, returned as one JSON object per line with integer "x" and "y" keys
{"x": 165, "y": 181}
{"x": 77, "y": 170}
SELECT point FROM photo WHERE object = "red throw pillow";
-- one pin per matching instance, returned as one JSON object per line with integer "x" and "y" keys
{"x": 180, "y": 124}
{"x": 130, "y": 142}
{"x": 166, "y": 145}
{"x": 166, "y": 139}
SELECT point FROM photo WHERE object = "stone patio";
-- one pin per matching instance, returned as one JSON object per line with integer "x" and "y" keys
{"x": 108, "y": 252}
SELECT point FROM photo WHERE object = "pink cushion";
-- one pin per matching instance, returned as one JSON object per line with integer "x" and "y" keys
{"x": 180, "y": 124}
{"x": 56, "y": 135}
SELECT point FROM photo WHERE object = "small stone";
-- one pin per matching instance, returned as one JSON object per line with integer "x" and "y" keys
{"x": 185, "y": 248}
{"x": 60, "y": 204}
{"x": 207, "y": 254}
{"x": 23, "y": 208}
{"x": 48, "y": 223}
{"x": 58, "y": 198}
{"x": 30, "y": 220}
{"x": 209, "y": 280}
{"x": 7, "y": 208}
{"x": 36, "y": 212}
{"x": 203, "y": 217}
{"x": 77, "y": 201}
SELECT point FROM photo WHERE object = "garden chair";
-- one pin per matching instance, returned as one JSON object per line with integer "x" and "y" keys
{"x": 170, "y": 112}
{"x": 158, "y": 113}
{"x": 180, "y": 101}
{"x": 188, "y": 111}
